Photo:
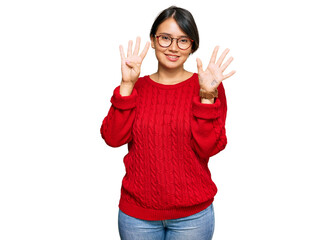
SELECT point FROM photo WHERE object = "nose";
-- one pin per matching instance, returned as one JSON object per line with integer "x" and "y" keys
{"x": 173, "y": 46}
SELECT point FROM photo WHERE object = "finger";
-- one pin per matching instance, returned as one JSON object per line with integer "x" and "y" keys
{"x": 229, "y": 74}
{"x": 222, "y": 57}
{"x": 199, "y": 65}
{"x": 122, "y": 54}
{"x": 137, "y": 46}
{"x": 225, "y": 65}
{"x": 129, "y": 50}
{"x": 214, "y": 55}
{"x": 144, "y": 51}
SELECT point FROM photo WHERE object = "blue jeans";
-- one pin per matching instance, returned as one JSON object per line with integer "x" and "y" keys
{"x": 199, "y": 226}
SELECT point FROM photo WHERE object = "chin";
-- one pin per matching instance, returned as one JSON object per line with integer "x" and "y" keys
{"x": 171, "y": 65}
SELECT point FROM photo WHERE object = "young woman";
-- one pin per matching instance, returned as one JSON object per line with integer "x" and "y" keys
{"x": 173, "y": 121}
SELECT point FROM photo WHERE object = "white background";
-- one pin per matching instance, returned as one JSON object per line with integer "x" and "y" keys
{"x": 60, "y": 63}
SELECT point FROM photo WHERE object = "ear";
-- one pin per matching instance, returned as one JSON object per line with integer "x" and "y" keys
{"x": 152, "y": 42}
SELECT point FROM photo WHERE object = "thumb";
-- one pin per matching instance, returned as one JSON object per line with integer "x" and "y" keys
{"x": 130, "y": 64}
{"x": 199, "y": 65}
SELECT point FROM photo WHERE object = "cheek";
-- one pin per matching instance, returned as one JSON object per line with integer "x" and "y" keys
{"x": 186, "y": 55}
{"x": 158, "y": 53}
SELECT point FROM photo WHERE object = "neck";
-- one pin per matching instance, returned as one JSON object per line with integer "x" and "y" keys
{"x": 170, "y": 76}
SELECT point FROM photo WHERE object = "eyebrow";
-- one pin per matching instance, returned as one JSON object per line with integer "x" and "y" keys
{"x": 171, "y": 35}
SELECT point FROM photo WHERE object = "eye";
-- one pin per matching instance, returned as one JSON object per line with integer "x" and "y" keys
{"x": 165, "y": 37}
{"x": 184, "y": 40}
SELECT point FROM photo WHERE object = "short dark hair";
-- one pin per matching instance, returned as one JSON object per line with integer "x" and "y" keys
{"x": 185, "y": 21}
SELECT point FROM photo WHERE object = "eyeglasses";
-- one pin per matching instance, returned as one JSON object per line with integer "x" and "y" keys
{"x": 165, "y": 41}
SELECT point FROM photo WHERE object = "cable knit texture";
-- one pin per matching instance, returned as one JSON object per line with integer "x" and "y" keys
{"x": 170, "y": 136}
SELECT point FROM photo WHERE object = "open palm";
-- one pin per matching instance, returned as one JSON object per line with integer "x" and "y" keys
{"x": 131, "y": 65}
{"x": 210, "y": 79}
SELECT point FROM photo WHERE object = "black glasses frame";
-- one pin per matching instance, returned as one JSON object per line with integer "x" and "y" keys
{"x": 171, "y": 41}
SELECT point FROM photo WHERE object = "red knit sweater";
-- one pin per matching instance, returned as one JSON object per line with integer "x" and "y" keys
{"x": 170, "y": 136}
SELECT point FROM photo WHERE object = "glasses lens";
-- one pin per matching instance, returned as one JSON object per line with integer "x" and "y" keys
{"x": 184, "y": 43}
{"x": 164, "y": 41}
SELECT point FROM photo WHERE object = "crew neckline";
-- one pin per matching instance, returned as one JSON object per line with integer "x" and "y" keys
{"x": 170, "y": 86}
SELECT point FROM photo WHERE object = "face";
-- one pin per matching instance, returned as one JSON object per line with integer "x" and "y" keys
{"x": 172, "y": 56}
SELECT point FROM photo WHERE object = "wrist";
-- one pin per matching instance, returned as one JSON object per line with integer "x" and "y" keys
{"x": 208, "y": 97}
{"x": 207, "y": 101}
{"x": 126, "y": 89}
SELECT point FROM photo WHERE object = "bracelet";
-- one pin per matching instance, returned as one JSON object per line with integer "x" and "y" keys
{"x": 208, "y": 95}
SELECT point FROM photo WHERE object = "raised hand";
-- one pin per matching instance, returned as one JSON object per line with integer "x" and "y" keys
{"x": 131, "y": 65}
{"x": 210, "y": 79}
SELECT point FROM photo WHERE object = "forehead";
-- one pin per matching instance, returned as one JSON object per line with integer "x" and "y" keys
{"x": 170, "y": 26}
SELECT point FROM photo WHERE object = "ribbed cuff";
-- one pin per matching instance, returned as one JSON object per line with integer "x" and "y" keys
{"x": 205, "y": 111}
{"x": 124, "y": 102}
{"x": 157, "y": 215}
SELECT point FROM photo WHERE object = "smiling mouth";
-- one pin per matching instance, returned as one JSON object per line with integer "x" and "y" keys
{"x": 172, "y": 58}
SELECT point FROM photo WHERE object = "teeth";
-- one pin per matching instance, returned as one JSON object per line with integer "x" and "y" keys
{"x": 174, "y": 57}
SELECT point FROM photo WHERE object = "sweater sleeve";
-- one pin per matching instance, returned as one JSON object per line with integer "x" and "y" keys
{"x": 208, "y": 125}
{"x": 116, "y": 128}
